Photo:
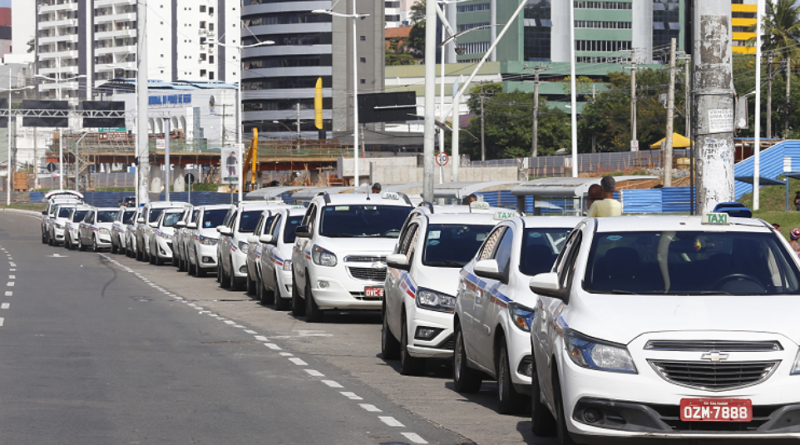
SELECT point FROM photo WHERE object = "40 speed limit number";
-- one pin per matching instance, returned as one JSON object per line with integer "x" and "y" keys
{"x": 716, "y": 410}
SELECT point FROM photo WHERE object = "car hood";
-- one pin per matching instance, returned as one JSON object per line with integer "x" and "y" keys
{"x": 381, "y": 246}
{"x": 439, "y": 279}
{"x": 623, "y": 318}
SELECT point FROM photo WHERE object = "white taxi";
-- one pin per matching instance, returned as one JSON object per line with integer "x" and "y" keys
{"x": 74, "y": 221}
{"x": 494, "y": 306}
{"x": 233, "y": 246}
{"x": 49, "y": 215}
{"x": 182, "y": 237}
{"x": 161, "y": 241}
{"x": 124, "y": 217}
{"x": 144, "y": 228}
{"x": 339, "y": 256}
{"x": 421, "y": 283}
{"x": 201, "y": 250}
{"x": 669, "y": 327}
{"x": 58, "y": 224}
{"x": 95, "y": 229}
{"x": 130, "y": 233}
{"x": 254, "y": 251}
{"x": 275, "y": 284}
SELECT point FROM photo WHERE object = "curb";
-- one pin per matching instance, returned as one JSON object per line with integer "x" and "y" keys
{"x": 23, "y": 212}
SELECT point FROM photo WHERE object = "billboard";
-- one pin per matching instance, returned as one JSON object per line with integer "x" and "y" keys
{"x": 230, "y": 165}
{"x": 97, "y": 122}
{"x": 46, "y": 105}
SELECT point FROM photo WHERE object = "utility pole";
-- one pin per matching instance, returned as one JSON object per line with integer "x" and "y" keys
{"x": 713, "y": 72}
{"x": 687, "y": 99}
{"x": 298, "y": 125}
{"x": 769, "y": 96}
{"x": 594, "y": 136}
{"x": 143, "y": 141}
{"x": 166, "y": 159}
{"x": 788, "y": 89}
{"x": 670, "y": 116}
{"x": 535, "y": 135}
{"x": 633, "y": 96}
{"x": 430, "y": 102}
{"x": 483, "y": 128}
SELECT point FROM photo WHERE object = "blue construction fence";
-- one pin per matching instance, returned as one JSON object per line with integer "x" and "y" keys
{"x": 660, "y": 200}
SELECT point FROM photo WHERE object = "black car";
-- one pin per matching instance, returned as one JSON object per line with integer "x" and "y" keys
{"x": 128, "y": 201}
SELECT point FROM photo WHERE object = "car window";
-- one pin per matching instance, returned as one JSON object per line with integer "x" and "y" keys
{"x": 570, "y": 262}
{"x": 63, "y": 212}
{"x": 195, "y": 215}
{"x": 79, "y": 215}
{"x": 488, "y": 246}
{"x": 412, "y": 243}
{"x": 127, "y": 217}
{"x": 275, "y": 227}
{"x": 540, "y": 247}
{"x": 268, "y": 224}
{"x": 310, "y": 218}
{"x": 106, "y": 216}
{"x": 248, "y": 221}
{"x": 154, "y": 214}
{"x": 410, "y": 234}
{"x": 559, "y": 264}
{"x": 691, "y": 263}
{"x": 362, "y": 221}
{"x": 260, "y": 224}
{"x": 232, "y": 219}
{"x": 503, "y": 251}
{"x": 452, "y": 245}
{"x": 228, "y": 216}
{"x": 170, "y": 219}
{"x": 89, "y": 217}
{"x": 292, "y": 222}
{"x": 214, "y": 218}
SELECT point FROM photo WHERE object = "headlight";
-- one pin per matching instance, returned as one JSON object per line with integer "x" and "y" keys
{"x": 796, "y": 367}
{"x": 597, "y": 354}
{"x": 105, "y": 232}
{"x": 166, "y": 236}
{"x": 435, "y": 301}
{"x": 59, "y": 226}
{"x": 244, "y": 247}
{"x": 521, "y": 316}
{"x": 323, "y": 257}
{"x": 287, "y": 265}
{"x": 208, "y": 241}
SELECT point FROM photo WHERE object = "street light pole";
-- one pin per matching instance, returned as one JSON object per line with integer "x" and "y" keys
{"x": 8, "y": 179}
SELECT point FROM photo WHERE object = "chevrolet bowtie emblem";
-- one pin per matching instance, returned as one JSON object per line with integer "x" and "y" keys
{"x": 714, "y": 356}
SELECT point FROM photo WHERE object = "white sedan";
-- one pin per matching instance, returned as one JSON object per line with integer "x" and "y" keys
{"x": 275, "y": 284}
{"x": 669, "y": 327}
{"x": 95, "y": 230}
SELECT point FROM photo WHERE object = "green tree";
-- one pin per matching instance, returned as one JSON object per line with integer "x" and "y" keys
{"x": 31, "y": 45}
{"x": 416, "y": 38}
{"x": 583, "y": 84}
{"x": 397, "y": 53}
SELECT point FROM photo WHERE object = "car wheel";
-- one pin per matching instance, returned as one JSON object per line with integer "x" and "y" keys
{"x": 219, "y": 270}
{"x": 49, "y": 240}
{"x": 267, "y": 296}
{"x": 94, "y": 244}
{"x": 251, "y": 285}
{"x": 81, "y": 247}
{"x": 114, "y": 248}
{"x": 390, "y": 347}
{"x": 44, "y": 238}
{"x": 298, "y": 305}
{"x": 313, "y": 312}
{"x": 281, "y": 304}
{"x": 199, "y": 272}
{"x": 542, "y": 422}
{"x": 408, "y": 365}
{"x": 509, "y": 400}
{"x": 224, "y": 281}
{"x": 562, "y": 434}
{"x": 234, "y": 285}
{"x": 139, "y": 253}
{"x": 465, "y": 379}
{"x": 67, "y": 243}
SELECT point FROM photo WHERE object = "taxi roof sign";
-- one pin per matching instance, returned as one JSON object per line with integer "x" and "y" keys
{"x": 390, "y": 195}
{"x": 504, "y": 214}
{"x": 715, "y": 218}
{"x": 478, "y": 205}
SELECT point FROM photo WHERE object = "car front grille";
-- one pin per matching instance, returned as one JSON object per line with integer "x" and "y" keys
{"x": 714, "y": 345}
{"x": 367, "y": 273}
{"x": 714, "y": 376}
{"x": 364, "y": 259}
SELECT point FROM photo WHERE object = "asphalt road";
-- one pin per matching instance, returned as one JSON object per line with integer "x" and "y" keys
{"x": 99, "y": 348}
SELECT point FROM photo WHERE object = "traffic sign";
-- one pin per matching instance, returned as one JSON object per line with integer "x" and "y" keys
{"x": 634, "y": 145}
{"x": 51, "y": 167}
{"x": 442, "y": 159}
{"x": 189, "y": 178}
{"x": 161, "y": 144}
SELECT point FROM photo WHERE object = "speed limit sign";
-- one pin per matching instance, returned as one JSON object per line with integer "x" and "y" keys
{"x": 442, "y": 159}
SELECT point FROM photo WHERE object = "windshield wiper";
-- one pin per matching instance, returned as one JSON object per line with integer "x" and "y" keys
{"x": 445, "y": 263}
{"x": 623, "y": 292}
{"x": 714, "y": 292}
{"x": 339, "y": 235}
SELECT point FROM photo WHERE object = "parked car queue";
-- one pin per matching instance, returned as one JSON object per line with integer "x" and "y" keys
{"x": 633, "y": 327}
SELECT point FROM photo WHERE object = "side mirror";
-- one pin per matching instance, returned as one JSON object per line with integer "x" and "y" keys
{"x": 302, "y": 232}
{"x": 191, "y": 226}
{"x": 398, "y": 261}
{"x": 266, "y": 239}
{"x": 154, "y": 224}
{"x": 489, "y": 269}
{"x": 140, "y": 220}
{"x": 180, "y": 224}
{"x": 252, "y": 239}
{"x": 44, "y": 212}
{"x": 547, "y": 284}
{"x": 225, "y": 230}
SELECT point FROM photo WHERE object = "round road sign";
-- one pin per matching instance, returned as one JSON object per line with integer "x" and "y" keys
{"x": 442, "y": 159}
{"x": 189, "y": 178}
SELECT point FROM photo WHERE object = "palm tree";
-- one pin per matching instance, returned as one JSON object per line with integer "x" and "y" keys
{"x": 780, "y": 35}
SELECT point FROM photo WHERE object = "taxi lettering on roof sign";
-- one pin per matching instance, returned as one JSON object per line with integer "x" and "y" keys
{"x": 715, "y": 218}
{"x": 504, "y": 214}
{"x": 390, "y": 195}
{"x": 479, "y": 206}
{"x": 298, "y": 207}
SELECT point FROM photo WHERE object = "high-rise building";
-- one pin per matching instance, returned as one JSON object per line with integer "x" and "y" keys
{"x": 280, "y": 79}
{"x": 744, "y": 17}
{"x": 97, "y": 39}
{"x": 5, "y": 27}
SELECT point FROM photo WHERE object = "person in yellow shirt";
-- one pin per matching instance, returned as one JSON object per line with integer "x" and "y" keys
{"x": 608, "y": 206}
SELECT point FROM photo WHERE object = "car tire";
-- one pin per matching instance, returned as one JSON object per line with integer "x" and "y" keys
{"x": 49, "y": 240}
{"x": 542, "y": 422}
{"x": 409, "y": 365}
{"x": 224, "y": 281}
{"x": 67, "y": 243}
{"x": 250, "y": 289}
{"x": 313, "y": 312}
{"x": 390, "y": 347}
{"x": 281, "y": 304}
{"x": 298, "y": 305}
{"x": 199, "y": 272}
{"x": 114, "y": 248}
{"x": 234, "y": 284}
{"x": 562, "y": 433}
{"x": 509, "y": 400}
{"x": 465, "y": 379}
{"x": 219, "y": 270}
{"x": 138, "y": 253}
{"x": 44, "y": 238}
{"x": 267, "y": 296}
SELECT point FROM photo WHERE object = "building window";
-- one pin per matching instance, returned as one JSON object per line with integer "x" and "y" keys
{"x": 603, "y": 5}
{"x": 363, "y": 60}
{"x": 202, "y": 8}
{"x": 468, "y": 26}
{"x": 475, "y": 47}
{"x": 473, "y": 8}
{"x": 363, "y": 38}
{"x": 202, "y": 25}
{"x": 202, "y": 73}
{"x": 602, "y": 45}
{"x": 537, "y": 31}
{"x": 392, "y": 17}
{"x": 595, "y": 24}
{"x": 363, "y": 80}
{"x": 211, "y": 75}
{"x": 392, "y": 5}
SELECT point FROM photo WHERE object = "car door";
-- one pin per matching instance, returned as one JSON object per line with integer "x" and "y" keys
{"x": 302, "y": 245}
{"x": 86, "y": 227}
{"x": 226, "y": 241}
{"x": 471, "y": 287}
{"x": 486, "y": 308}
{"x": 254, "y": 249}
{"x": 397, "y": 286}
{"x": 268, "y": 253}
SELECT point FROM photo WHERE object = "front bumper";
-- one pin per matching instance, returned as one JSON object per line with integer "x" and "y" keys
{"x": 343, "y": 293}
{"x": 59, "y": 233}
{"x": 441, "y": 344}
{"x": 284, "y": 283}
{"x": 164, "y": 248}
{"x": 207, "y": 255}
{"x": 239, "y": 264}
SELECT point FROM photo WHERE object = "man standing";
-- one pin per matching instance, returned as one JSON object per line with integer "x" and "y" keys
{"x": 230, "y": 162}
{"x": 608, "y": 206}
{"x": 595, "y": 194}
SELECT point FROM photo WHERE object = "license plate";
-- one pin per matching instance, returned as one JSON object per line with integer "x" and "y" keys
{"x": 373, "y": 292}
{"x": 716, "y": 410}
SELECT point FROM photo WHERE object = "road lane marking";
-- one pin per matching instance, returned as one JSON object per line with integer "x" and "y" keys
{"x": 12, "y": 264}
{"x": 298, "y": 361}
{"x": 238, "y": 326}
{"x": 12, "y": 277}
{"x": 229, "y": 322}
{"x": 414, "y": 437}
{"x": 370, "y": 408}
{"x": 332, "y": 384}
{"x": 273, "y": 346}
{"x": 1, "y": 322}
{"x": 261, "y": 338}
{"x": 12, "y": 270}
{"x": 286, "y": 354}
{"x": 252, "y": 333}
{"x": 351, "y": 396}
{"x": 10, "y": 284}
{"x": 391, "y": 421}
{"x": 314, "y": 373}
{"x": 5, "y": 305}
{"x": 9, "y": 293}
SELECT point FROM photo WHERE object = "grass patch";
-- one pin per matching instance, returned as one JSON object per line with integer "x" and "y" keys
{"x": 35, "y": 206}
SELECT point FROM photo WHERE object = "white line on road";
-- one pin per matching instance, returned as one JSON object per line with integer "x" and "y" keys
{"x": 10, "y": 284}
{"x": 414, "y": 437}
{"x": 298, "y": 362}
{"x": 261, "y": 338}
{"x": 12, "y": 270}
{"x": 229, "y": 322}
{"x": 9, "y": 293}
{"x": 253, "y": 333}
{"x": 314, "y": 373}
{"x": 12, "y": 277}
{"x": 391, "y": 421}
{"x": 332, "y": 384}
{"x": 286, "y": 354}
{"x": 238, "y": 326}
{"x": 1, "y": 322}
{"x": 370, "y": 408}
{"x": 12, "y": 264}
{"x": 5, "y": 305}
{"x": 273, "y": 346}
{"x": 351, "y": 396}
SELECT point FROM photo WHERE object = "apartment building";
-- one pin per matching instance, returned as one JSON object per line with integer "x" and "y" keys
{"x": 98, "y": 38}
{"x": 743, "y": 16}
{"x": 279, "y": 80}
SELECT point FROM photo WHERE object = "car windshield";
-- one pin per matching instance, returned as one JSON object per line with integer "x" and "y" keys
{"x": 79, "y": 215}
{"x": 63, "y": 212}
{"x": 690, "y": 263}
{"x": 288, "y": 230}
{"x": 127, "y": 218}
{"x": 213, "y": 218}
{"x": 154, "y": 214}
{"x": 347, "y": 221}
{"x": 453, "y": 245}
{"x": 540, "y": 247}
{"x": 170, "y": 219}
{"x": 106, "y": 216}
{"x": 249, "y": 221}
